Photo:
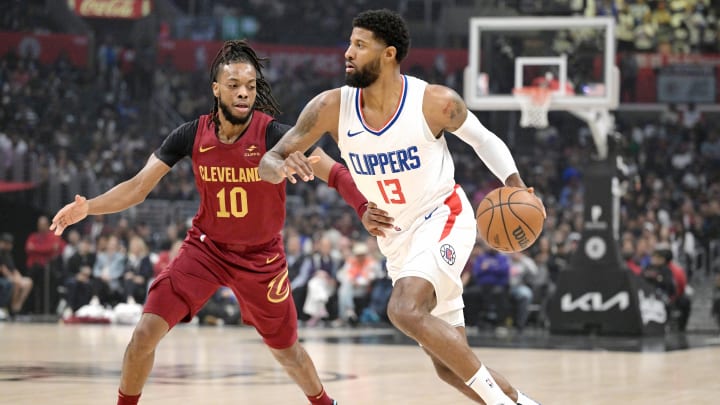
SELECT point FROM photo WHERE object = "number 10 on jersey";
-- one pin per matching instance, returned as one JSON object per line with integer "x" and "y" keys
{"x": 391, "y": 191}
{"x": 238, "y": 203}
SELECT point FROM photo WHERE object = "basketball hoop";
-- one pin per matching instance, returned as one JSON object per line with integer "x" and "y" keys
{"x": 534, "y": 104}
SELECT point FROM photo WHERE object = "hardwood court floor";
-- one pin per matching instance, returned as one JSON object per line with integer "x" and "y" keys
{"x": 80, "y": 364}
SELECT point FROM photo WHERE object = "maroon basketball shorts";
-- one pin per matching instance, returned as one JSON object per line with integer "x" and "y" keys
{"x": 256, "y": 274}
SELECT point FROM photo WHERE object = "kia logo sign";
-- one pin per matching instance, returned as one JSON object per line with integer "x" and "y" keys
{"x": 593, "y": 302}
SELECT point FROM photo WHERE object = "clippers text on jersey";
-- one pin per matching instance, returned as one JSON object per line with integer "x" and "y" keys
{"x": 396, "y": 161}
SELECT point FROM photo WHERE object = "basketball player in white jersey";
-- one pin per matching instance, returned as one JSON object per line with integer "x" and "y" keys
{"x": 389, "y": 128}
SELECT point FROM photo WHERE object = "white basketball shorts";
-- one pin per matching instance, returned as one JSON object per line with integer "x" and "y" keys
{"x": 436, "y": 248}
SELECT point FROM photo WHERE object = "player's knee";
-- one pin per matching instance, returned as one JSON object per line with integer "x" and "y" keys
{"x": 147, "y": 335}
{"x": 293, "y": 356}
{"x": 404, "y": 314}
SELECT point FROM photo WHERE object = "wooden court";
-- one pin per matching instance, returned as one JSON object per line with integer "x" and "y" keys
{"x": 80, "y": 364}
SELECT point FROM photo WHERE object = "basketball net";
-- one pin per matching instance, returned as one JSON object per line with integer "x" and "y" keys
{"x": 534, "y": 104}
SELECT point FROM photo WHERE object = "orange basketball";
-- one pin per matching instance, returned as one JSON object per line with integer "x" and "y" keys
{"x": 510, "y": 219}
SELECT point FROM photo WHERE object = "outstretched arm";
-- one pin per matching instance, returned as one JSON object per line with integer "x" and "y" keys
{"x": 445, "y": 110}
{"x": 286, "y": 158}
{"x": 119, "y": 198}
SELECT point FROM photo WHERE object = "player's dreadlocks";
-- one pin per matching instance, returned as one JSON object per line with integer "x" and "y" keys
{"x": 240, "y": 51}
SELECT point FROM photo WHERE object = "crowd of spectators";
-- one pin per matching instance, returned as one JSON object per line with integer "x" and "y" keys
{"x": 681, "y": 26}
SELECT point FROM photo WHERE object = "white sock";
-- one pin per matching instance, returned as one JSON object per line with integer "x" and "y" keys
{"x": 484, "y": 384}
{"x": 524, "y": 400}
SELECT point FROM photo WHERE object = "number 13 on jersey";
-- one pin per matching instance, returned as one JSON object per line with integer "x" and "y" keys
{"x": 391, "y": 191}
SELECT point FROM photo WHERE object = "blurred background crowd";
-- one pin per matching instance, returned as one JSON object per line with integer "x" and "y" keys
{"x": 69, "y": 127}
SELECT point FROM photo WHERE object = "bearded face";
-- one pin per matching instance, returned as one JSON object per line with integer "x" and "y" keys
{"x": 364, "y": 76}
{"x": 235, "y": 117}
{"x": 236, "y": 92}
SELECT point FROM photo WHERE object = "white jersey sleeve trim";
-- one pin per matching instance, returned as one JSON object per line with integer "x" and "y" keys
{"x": 488, "y": 146}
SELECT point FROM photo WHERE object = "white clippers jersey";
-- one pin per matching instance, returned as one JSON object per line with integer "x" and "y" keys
{"x": 402, "y": 167}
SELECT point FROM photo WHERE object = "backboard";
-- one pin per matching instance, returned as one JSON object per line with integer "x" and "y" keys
{"x": 574, "y": 56}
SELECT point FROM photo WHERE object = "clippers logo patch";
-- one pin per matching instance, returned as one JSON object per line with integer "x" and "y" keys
{"x": 447, "y": 253}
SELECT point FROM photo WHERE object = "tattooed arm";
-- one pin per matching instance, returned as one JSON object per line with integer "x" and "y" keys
{"x": 445, "y": 110}
{"x": 286, "y": 158}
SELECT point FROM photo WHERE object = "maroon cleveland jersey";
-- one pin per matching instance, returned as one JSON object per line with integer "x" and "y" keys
{"x": 236, "y": 206}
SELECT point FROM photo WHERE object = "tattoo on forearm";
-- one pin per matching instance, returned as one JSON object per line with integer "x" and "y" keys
{"x": 309, "y": 117}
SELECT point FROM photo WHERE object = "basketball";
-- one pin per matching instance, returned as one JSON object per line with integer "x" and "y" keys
{"x": 510, "y": 219}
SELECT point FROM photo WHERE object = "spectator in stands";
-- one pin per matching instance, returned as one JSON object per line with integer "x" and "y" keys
{"x": 20, "y": 285}
{"x": 380, "y": 292}
{"x": 642, "y": 254}
{"x": 138, "y": 271}
{"x": 680, "y": 300}
{"x": 381, "y": 287}
{"x": 71, "y": 247}
{"x": 645, "y": 32}
{"x": 523, "y": 273}
{"x": 78, "y": 276}
{"x": 299, "y": 270}
{"x": 325, "y": 257}
{"x": 627, "y": 252}
{"x": 692, "y": 117}
{"x": 486, "y": 294}
{"x": 97, "y": 227}
{"x": 625, "y": 31}
{"x": 548, "y": 268}
{"x": 108, "y": 272}
{"x": 659, "y": 275}
{"x": 355, "y": 278}
{"x": 323, "y": 282}
{"x": 320, "y": 289}
{"x": 639, "y": 9}
{"x": 42, "y": 248}
{"x": 172, "y": 235}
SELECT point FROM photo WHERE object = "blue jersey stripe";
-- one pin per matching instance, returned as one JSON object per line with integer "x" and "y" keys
{"x": 392, "y": 120}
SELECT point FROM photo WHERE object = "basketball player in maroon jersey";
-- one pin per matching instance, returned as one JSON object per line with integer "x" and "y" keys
{"x": 235, "y": 236}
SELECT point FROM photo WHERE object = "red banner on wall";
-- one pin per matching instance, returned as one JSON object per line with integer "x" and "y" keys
{"x": 8, "y": 187}
{"x": 187, "y": 55}
{"x": 46, "y": 47}
{"x": 111, "y": 8}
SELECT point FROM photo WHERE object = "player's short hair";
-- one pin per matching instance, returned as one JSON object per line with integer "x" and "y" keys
{"x": 389, "y": 27}
{"x": 239, "y": 51}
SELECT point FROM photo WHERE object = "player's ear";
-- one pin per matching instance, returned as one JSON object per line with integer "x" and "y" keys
{"x": 390, "y": 52}
{"x": 216, "y": 89}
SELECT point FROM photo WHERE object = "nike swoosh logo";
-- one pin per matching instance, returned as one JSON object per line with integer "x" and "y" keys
{"x": 430, "y": 214}
{"x": 271, "y": 259}
{"x": 205, "y": 149}
{"x": 351, "y": 134}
